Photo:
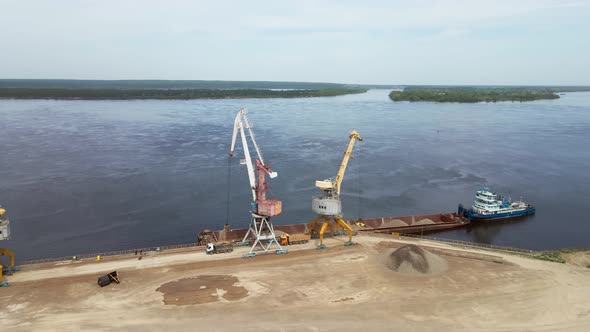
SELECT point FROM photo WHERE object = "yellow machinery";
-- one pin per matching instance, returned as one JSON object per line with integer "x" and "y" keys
{"x": 10, "y": 254}
{"x": 328, "y": 206}
{"x": 5, "y": 235}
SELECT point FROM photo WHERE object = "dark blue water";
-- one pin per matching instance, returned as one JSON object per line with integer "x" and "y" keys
{"x": 87, "y": 176}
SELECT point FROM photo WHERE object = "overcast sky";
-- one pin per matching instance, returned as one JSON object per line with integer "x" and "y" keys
{"x": 359, "y": 41}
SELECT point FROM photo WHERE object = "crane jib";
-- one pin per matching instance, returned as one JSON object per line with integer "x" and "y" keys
{"x": 258, "y": 188}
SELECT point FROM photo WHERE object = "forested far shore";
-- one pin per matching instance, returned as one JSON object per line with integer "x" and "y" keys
{"x": 122, "y": 94}
{"x": 471, "y": 95}
{"x": 163, "y": 84}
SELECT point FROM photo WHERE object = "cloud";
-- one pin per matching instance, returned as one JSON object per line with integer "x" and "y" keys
{"x": 224, "y": 16}
{"x": 451, "y": 33}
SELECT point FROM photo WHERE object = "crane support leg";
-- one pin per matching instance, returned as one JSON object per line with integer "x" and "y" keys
{"x": 346, "y": 226}
{"x": 312, "y": 223}
{"x": 264, "y": 235}
{"x": 324, "y": 226}
{"x": 9, "y": 254}
{"x": 11, "y": 264}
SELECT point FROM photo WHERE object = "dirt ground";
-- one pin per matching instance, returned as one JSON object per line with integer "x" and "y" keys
{"x": 336, "y": 289}
{"x": 579, "y": 258}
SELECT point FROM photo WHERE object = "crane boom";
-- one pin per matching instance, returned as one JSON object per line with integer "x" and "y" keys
{"x": 334, "y": 186}
{"x": 240, "y": 124}
{"x": 248, "y": 162}
{"x": 244, "y": 113}
{"x": 354, "y": 136}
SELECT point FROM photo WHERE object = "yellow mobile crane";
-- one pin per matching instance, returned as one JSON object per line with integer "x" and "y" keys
{"x": 329, "y": 206}
{"x": 5, "y": 235}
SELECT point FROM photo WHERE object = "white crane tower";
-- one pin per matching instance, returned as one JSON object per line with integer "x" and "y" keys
{"x": 262, "y": 209}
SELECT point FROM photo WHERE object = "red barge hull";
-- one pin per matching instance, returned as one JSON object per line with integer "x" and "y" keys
{"x": 418, "y": 224}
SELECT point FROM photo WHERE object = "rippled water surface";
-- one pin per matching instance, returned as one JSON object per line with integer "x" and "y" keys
{"x": 87, "y": 176}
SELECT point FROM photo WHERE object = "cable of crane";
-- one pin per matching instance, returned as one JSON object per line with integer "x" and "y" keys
{"x": 358, "y": 150}
{"x": 228, "y": 190}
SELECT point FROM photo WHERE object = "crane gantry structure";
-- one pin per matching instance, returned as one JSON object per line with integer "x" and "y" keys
{"x": 5, "y": 235}
{"x": 263, "y": 209}
{"x": 329, "y": 206}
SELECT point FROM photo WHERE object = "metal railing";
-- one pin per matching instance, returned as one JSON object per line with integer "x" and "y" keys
{"x": 109, "y": 253}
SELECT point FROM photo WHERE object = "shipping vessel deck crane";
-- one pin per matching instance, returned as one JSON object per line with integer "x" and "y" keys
{"x": 5, "y": 235}
{"x": 263, "y": 209}
{"x": 329, "y": 205}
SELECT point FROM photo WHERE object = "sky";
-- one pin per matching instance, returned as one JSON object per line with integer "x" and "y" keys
{"x": 516, "y": 42}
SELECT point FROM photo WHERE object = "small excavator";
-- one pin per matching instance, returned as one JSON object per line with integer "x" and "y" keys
{"x": 328, "y": 206}
{"x": 5, "y": 235}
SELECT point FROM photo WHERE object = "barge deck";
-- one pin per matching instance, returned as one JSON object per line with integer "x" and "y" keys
{"x": 417, "y": 224}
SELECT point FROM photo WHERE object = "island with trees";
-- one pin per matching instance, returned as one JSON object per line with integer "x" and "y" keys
{"x": 472, "y": 94}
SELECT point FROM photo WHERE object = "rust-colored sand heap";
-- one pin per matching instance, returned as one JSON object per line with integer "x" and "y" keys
{"x": 411, "y": 259}
{"x": 425, "y": 221}
{"x": 202, "y": 289}
{"x": 394, "y": 223}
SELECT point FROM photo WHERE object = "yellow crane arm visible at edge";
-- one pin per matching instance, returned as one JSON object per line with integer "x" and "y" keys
{"x": 354, "y": 136}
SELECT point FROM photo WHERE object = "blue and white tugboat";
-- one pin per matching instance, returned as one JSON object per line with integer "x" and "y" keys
{"x": 490, "y": 206}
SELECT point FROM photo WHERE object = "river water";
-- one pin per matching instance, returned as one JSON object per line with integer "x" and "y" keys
{"x": 89, "y": 176}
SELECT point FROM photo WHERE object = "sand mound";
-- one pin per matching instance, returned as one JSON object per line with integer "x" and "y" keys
{"x": 279, "y": 233}
{"x": 202, "y": 289}
{"x": 424, "y": 222}
{"x": 411, "y": 259}
{"x": 394, "y": 223}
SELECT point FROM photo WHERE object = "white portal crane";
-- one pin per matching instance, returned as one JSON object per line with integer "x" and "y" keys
{"x": 329, "y": 206}
{"x": 262, "y": 209}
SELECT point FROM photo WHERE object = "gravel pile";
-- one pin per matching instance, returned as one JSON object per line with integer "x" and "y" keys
{"x": 411, "y": 259}
{"x": 424, "y": 222}
{"x": 394, "y": 223}
{"x": 279, "y": 233}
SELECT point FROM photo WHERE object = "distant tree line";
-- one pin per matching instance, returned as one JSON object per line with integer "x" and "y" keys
{"x": 120, "y": 94}
{"x": 471, "y": 95}
{"x": 162, "y": 84}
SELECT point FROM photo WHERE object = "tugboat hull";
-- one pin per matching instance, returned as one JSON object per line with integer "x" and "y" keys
{"x": 488, "y": 205}
{"x": 500, "y": 215}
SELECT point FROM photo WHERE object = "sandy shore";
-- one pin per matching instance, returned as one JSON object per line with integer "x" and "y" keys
{"x": 340, "y": 288}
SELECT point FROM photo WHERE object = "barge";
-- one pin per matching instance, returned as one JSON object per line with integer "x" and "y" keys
{"x": 417, "y": 224}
